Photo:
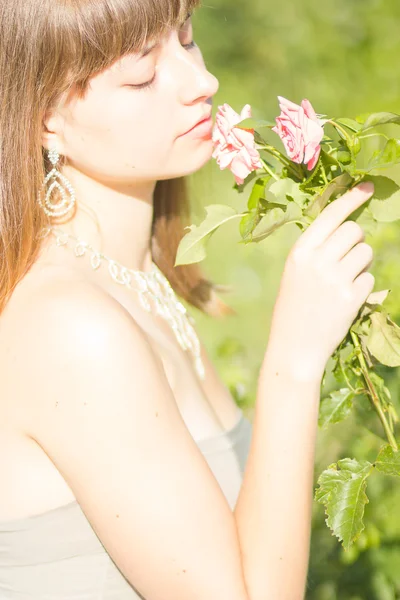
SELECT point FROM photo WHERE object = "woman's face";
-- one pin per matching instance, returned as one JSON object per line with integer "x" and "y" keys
{"x": 121, "y": 133}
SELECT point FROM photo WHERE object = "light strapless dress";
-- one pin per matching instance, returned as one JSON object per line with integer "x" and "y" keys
{"x": 56, "y": 555}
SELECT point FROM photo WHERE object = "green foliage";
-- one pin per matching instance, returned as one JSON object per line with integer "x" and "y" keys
{"x": 342, "y": 491}
{"x": 384, "y": 340}
{"x": 388, "y": 157}
{"x": 382, "y": 118}
{"x": 275, "y": 218}
{"x": 336, "y": 407}
{"x": 251, "y": 123}
{"x": 192, "y": 248}
{"x": 388, "y": 191}
{"x": 343, "y": 56}
{"x": 388, "y": 461}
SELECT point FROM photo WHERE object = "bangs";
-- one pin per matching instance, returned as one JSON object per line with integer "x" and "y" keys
{"x": 84, "y": 37}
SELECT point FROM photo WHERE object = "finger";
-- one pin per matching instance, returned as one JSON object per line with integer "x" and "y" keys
{"x": 356, "y": 261}
{"x": 342, "y": 241}
{"x": 335, "y": 213}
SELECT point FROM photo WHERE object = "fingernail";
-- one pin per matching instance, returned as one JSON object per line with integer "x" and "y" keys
{"x": 367, "y": 187}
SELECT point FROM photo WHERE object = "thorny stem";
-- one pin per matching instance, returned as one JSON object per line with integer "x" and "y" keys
{"x": 309, "y": 180}
{"x": 274, "y": 152}
{"x": 372, "y": 392}
{"x": 324, "y": 177}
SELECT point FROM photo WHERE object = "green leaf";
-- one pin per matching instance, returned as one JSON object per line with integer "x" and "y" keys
{"x": 388, "y": 157}
{"x": 384, "y": 340}
{"x": 256, "y": 193}
{"x": 290, "y": 190}
{"x": 385, "y": 203}
{"x": 380, "y": 118}
{"x": 386, "y": 211}
{"x": 192, "y": 247}
{"x": 372, "y": 304}
{"x": 269, "y": 223}
{"x": 328, "y": 160}
{"x": 336, "y": 407}
{"x": 380, "y": 387}
{"x": 362, "y": 118}
{"x": 248, "y": 223}
{"x": 337, "y": 186}
{"x": 252, "y": 123}
{"x": 266, "y": 204}
{"x": 388, "y": 461}
{"x": 275, "y": 219}
{"x": 328, "y": 482}
{"x": 339, "y": 365}
{"x": 342, "y": 492}
{"x": 377, "y": 297}
{"x": 350, "y": 124}
{"x": 384, "y": 186}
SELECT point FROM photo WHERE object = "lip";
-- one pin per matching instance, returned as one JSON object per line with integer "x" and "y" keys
{"x": 202, "y": 126}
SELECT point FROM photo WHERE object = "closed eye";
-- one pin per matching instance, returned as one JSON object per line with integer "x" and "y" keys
{"x": 148, "y": 84}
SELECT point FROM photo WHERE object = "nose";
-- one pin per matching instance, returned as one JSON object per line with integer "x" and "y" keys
{"x": 195, "y": 81}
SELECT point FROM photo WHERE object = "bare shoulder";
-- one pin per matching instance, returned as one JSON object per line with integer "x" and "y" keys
{"x": 64, "y": 295}
{"x": 67, "y": 324}
{"x": 107, "y": 419}
{"x": 55, "y": 324}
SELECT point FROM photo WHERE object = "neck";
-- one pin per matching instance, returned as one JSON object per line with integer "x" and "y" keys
{"x": 115, "y": 219}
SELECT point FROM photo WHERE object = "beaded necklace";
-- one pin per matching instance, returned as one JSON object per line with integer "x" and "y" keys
{"x": 152, "y": 285}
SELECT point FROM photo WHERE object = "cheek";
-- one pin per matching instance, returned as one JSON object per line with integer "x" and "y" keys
{"x": 131, "y": 124}
{"x": 142, "y": 124}
{"x": 88, "y": 126}
{"x": 132, "y": 130}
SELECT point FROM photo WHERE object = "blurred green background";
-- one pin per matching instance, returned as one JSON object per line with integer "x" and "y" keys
{"x": 343, "y": 56}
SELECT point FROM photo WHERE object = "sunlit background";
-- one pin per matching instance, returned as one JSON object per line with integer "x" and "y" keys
{"x": 344, "y": 56}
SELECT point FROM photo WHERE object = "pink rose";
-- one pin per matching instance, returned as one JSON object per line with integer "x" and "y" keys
{"x": 301, "y": 131}
{"x": 234, "y": 148}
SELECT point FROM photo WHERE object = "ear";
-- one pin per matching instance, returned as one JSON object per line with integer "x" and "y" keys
{"x": 51, "y": 132}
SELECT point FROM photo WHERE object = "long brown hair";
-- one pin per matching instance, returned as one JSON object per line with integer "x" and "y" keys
{"x": 48, "y": 48}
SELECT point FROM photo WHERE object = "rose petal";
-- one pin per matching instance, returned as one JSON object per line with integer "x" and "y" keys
{"x": 309, "y": 111}
{"x": 311, "y": 163}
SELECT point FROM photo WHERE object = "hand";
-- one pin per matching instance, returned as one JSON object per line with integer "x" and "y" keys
{"x": 324, "y": 284}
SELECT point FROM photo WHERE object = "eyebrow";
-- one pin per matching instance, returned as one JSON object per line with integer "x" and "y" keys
{"x": 147, "y": 49}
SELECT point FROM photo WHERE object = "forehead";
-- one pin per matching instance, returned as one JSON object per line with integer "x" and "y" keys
{"x": 132, "y": 58}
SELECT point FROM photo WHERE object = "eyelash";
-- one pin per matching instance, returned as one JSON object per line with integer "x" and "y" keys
{"x": 149, "y": 84}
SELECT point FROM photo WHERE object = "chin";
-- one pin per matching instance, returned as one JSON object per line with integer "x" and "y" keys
{"x": 191, "y": 162}
{"x": 197, "y": 158}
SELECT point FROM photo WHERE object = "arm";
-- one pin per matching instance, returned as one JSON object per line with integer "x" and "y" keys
{"x": 324, "y": 284}
{"x": 108, "y": 420}
{"x": 273, "y": 511}
{"x": 118, "y": 439}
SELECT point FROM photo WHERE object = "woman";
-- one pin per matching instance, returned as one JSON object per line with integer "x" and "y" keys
{"x": 127, "y": 470}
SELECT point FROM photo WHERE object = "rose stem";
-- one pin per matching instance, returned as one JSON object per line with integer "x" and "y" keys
{"x": 372, "y": 393}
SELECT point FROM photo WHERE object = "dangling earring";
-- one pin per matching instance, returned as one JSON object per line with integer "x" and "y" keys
{"x": 66, "y": 204}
